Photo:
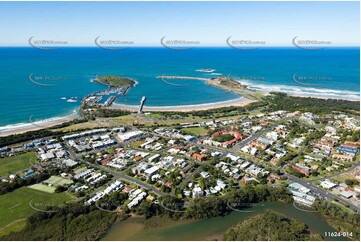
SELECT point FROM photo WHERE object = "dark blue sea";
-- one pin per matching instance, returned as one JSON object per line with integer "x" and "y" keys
{"x": 35, "y": 84}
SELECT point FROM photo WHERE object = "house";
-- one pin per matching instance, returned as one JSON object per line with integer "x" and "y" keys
{"x": 351, "y": 144}
{"x": 233, "y": 157}
{"x": 347, "y": 150}
{"x": 303, "y": 198}
{"x": 130, "y": 135}
{"x": 151, "y": 171}
{"x": 197, "y": 192}
{"x": 247, "y": 180}
{"x": 273, "y": 177}
{"x": 328, "y": 185}
{"x": 204, "y": 174}
{"x": 342, "y": 157}
{"x": 259, "y": 144}
{"x": 254, "y": 151}
{"x": 346, "y": 194}
{"x": 199, "y": 157}
{"x": 272, "y": 135}
{"x": 302, "y": 168}
{"x": 154, "y": 158}
{"x": 70, "y": 163}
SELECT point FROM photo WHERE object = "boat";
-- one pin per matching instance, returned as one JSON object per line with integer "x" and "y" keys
{"x": 63, "y": 98}
{"x": 72, "y": 100}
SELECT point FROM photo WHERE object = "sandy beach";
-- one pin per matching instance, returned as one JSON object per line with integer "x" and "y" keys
{"x": 239, "y": 102}
{"x": 326, "y": 97}
{"x": 36, "y": 125}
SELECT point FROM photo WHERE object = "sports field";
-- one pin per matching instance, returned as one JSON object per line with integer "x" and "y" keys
{"x": 42, "y": 188}
{"x": 54, "y": 180}
{"x": 17, "y": 163}
{"x": 197, "y": 131}
{"x": 15, "y": 208}
{"x": 58, "y": 181}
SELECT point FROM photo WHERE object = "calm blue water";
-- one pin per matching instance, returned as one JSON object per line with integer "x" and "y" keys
{"x": 332, "y": 72}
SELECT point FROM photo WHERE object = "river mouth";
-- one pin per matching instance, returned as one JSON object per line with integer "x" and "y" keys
{"x": 162, "y": 228}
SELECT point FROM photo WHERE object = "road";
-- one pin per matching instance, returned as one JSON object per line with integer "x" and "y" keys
{"x": 337, "y": 174}
{"x": 323, "y": 193}
{"x": 254, "y": 136}
{"x": 117, "y": 175}
{"x": 232, "y": 151}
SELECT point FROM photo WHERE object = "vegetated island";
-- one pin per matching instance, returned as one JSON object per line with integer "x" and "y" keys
{"x": 115, "y": 81}
{"x": 270, "y": 226}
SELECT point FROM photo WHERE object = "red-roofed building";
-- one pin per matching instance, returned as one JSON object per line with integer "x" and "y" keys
{"x": 199, "y": 157}
{"x": 105, "y": 161}
{"x": 351, "y": 144}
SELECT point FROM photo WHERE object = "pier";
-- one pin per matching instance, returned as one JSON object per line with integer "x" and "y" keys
{"x": 142, "y": 101}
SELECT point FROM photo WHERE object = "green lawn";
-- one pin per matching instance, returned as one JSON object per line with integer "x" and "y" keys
{"x": 17, "y": 163}
{"x": 42, "y": 188}
{"x": 15, "y": 208}
{"x": 136, "y": 144}
{"x": 54, "y": 180}
{"x": 58, "y": 181}
{"x": 198, "y": 131}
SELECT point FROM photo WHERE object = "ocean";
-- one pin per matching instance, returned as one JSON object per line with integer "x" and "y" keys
{"x": 35, "y": 84}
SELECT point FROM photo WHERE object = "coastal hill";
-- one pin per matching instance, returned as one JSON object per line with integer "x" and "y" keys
{"x": 227, "y": 83}
{"x": 115, "y": 81}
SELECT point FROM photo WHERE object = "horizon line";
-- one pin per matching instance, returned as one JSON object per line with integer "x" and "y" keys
{"x": 191, "y": 47}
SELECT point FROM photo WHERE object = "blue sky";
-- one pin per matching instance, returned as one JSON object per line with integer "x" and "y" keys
{"x": 210, "y": 23}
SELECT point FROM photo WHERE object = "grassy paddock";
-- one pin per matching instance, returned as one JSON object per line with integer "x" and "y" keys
{"x": 16, "y": 163}
{"x": 14, "y": 206}
{"x": 198, "y": 131}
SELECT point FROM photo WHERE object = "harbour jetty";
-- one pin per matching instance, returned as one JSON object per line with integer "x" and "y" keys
{"x": 184, "y": 78}
{"x": 117, "y": 86}
{"x": 142, "y": 101}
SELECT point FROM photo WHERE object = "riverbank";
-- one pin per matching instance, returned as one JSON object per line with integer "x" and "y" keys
{"x": 33, "y": 125}
{"x": 162, "y": 228}
{"x": 239, "y": 102}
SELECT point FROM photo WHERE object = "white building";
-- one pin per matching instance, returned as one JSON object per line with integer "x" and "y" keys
{"x": 130, "y": 135}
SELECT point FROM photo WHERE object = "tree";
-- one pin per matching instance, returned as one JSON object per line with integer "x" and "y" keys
{"x": 349, "y": 182}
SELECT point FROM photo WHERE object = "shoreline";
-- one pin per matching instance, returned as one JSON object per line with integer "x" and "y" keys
{"x": 324, "y": 97}
{"x": 19, "y": 128}
{"x": 239, "y": 102}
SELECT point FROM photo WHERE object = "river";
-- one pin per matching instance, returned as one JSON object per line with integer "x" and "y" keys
{"x": 158, "y": 228}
